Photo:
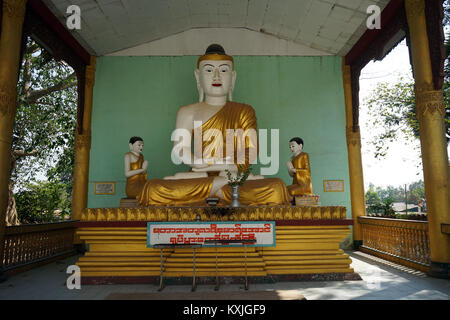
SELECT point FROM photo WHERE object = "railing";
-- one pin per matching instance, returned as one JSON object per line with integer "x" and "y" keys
{"x": 402, "y": 241}
{"x": 29, "y": 244}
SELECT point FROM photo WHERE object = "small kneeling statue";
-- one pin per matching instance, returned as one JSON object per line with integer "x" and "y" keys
{"x": 135, "y": 168}
{"x": 299, "y": 169}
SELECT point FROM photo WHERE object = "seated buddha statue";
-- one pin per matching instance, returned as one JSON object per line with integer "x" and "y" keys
{"x": 299, "y": 169}
{"x": 135, "y": 168}
{"x": 215, "y": 116}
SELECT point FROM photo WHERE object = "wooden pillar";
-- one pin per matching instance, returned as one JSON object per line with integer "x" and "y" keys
{"x": 10, "y": 42}
{"x": 354, "y": 160}
{"x": 82, "y": 148}
{"x": 430, "y": 113}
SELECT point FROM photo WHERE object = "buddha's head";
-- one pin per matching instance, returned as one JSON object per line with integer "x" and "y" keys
{"x": 136, "y": 145}
{"x": 215, "y": 73}
{"x": 296, "y": 145}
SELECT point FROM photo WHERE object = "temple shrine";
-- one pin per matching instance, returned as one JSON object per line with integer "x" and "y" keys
{"x": 172, "y": 108}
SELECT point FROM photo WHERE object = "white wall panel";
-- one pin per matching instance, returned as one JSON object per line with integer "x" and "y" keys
{"x": 235, "y": 41}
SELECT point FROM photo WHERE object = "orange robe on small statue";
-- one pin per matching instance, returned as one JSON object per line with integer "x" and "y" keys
{"x": 136, "y": 183}
{"x": 301, "y": 183}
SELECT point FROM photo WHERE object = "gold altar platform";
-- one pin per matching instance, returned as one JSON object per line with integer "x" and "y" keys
{"x": 307, "y": 242}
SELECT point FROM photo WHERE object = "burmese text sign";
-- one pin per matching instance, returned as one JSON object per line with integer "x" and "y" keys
{"x": 203, "y": 232}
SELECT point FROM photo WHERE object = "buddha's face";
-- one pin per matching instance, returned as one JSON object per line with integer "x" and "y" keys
{"x": 137, "y": 147}
{"x": 216, "y": 77}
{"x": 295, "y": 147}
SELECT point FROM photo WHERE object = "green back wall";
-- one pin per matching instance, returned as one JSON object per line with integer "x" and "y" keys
{"x": 300, "y": 96}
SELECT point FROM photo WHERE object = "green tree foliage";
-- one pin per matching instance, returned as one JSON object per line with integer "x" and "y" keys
{"x": 43, "y": 134}
{"x": 379, "y": 200}
{"x": 43, "y": 202}
{"x": 447, "y": 40}
{"x": 382, "y": 208}
{"x": 416, "y": 192}
{"x": 391, "y": 106}
{"x": 375, "y": 204}
{"x": 391, "y": 192}
{"x": 372, "y": 197}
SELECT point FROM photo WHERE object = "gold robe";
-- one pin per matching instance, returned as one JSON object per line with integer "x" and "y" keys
{"x": 136, "y": 183}
{"x": 301, "y": 183}
{"x": 269, "y": 191}
{"x": 195, "y": 191}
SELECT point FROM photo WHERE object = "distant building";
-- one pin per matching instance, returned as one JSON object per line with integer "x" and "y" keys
{"x": 400, "y": 207}
{"x": 422, "y": 203}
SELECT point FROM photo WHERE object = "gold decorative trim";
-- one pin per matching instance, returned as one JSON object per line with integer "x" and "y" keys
{"x": 414, "y": 8}
{"x": 14, "y": 8}
{"x": 214, "y": 213}
{"x": 347, "y": 74}
{"x": 8, "y": 96}
{"x": 82, "y": 141}
{"x": 394, "y": 223}
{"x": 353, "y": 138}
{"x": 90, "y": 76}
{"x": 215, "y": 57}
{"x": 430, "y": 103}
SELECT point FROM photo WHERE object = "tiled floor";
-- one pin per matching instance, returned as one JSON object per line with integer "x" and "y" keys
{"x": 381, "y": 280}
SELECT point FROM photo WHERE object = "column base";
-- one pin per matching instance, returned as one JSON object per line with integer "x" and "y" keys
{"x": 357, "y": 244}
{"x": 3, "y": 277}
{"x": 439, "y": 270}
{"x": 80, "y": 248}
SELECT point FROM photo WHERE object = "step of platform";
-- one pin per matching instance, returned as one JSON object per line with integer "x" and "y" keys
{"x": 304, "y": 257}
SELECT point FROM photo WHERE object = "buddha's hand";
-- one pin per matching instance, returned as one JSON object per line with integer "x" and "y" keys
{"x": 216, "y": 167}
{"x": 218, "y": 161}
{"x": 197, "y": 167}
{"x": 202, "y": 169}
{"x": 228, "y": 160}
{"x": 213, "y": 167}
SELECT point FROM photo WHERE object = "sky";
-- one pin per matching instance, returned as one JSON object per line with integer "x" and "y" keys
{"x": 402, "y": 164}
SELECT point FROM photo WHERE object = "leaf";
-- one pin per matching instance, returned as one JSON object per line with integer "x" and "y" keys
{"x": 47, "y": 124}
